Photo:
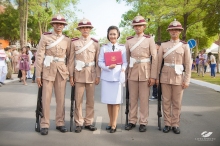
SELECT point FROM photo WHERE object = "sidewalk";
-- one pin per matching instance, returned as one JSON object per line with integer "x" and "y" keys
{"x": 206, "y": 84}
{"x": 15, "y": 78}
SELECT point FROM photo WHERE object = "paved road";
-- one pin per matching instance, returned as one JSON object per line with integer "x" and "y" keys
{"x": 200, "y": 112}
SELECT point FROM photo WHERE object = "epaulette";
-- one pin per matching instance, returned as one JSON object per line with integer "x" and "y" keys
{"x": 121, "y": 44}
{"x": 95, "y": 40}
{"x": 74, "y": 39}
{"x": 183, "y": 42}
{"x": 146, "y": 36}
{"x": 46, "y": 33}
{"x": 130, "y": 37}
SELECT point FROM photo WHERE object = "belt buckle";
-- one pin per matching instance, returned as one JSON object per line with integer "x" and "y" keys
{"x": 172, "y": 65}
{"x": 55, "y": 59}
{"x": 86, "y": 64}
{"x": 138, "y": 61}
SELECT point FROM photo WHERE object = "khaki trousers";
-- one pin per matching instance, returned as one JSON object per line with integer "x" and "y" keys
{"x": 138, "y": 90}
{"x": 59, "y": 89}
{"x": 79, "y": 91}
{"x": 113, "y": 110}
{"x": 201, "y": 69}
{"x": 172, "y": 98}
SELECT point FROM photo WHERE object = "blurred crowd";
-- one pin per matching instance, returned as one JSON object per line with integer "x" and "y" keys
{"x": 16, "y": 61}
{"x": 203, "y": 61}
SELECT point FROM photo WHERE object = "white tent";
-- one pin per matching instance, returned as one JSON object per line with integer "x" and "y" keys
{"x": 214, "y": 48}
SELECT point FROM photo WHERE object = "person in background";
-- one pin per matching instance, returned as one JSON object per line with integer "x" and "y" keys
{"x": 201, "y": 63}
{"x": 205, "y": 60}
{"x": 154, "y": 93}
{"x": 29, "y": 74}
{"x": 24, "y": 63}
{"x": 112, "y": 77}
{"x": 33, "y": 62}
{"x": 197, "y": 63}
{"x": 3, "y": 65}
{"x": 8, "y": 62}
{"x": 212, "y": 64}
{"x": 15, "y": 55}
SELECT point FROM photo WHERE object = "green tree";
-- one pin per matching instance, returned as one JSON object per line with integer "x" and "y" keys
{"x": 9, "y": 24}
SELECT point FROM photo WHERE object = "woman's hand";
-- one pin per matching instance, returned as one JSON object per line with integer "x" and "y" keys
{"x": 112, "y": 66}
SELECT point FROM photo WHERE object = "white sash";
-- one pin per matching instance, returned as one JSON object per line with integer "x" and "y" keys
{"x": 84, "y": 48}
{"x": 56, "y": 42}
{"x": 137, "y": 44}
{"x": 172, "y": 49}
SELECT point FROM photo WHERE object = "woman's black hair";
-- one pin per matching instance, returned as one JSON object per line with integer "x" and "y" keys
{"x": 111, "y": 28}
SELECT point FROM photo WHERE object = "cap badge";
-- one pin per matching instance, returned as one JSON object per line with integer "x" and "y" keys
{"x": 84, "y": 22}
{"x": 174, "y": 23}
{"x": 59, "y": 17}
{"x": 137, "y": 19}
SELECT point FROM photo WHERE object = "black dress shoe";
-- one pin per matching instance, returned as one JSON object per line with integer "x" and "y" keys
{"x": 44, "y": 131}
{"x": 113, "y": 130}
{"x": 91, "y": 127}
{"x": 129, "y": 126}
{"x": 166, "y": 129}
{"x": 108, "y": 127}
{"x": 61, "y": 129}
{"x": 142, "y": 128}
{"x": 176, "y": 130}
{"x": 2, "y": 83}
{"x": 78, "y": 129}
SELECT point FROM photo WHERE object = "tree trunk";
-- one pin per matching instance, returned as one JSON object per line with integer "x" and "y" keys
{"x": 197, "y": 48}
{"x": 21, "y": 19}
{"x": 159, "y": 34}
{"x": 25, "y": 20}
{"x": 185, "y": 18}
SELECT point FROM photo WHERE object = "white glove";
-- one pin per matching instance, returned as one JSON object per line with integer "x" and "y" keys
{"x": 179, "y": 69}
{"x": 122, "y": 77}
{"x": 48, "y": 60}
{"x": 79, "y": 65}
{"x": 132, "y": 61}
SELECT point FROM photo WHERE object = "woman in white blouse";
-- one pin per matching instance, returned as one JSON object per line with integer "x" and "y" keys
{"x": 112, "y": 77}
{"x": 212, "y": 64}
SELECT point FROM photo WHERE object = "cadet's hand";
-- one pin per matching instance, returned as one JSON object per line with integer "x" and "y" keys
{"x": 39, "y": 83}
{"x": 151, "y": 82}
{"x": 71, "y": 81}
{"x": 157, "y": 82}
{"x": 184, "y": 85}
{"x": 97, "y": 80}
{"x": 112, "y": 66}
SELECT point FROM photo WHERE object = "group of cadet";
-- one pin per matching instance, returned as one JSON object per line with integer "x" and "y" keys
{"x": 81, "y": 60}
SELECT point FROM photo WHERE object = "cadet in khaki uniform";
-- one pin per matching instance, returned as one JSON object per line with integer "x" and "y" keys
{"x": 84, "y": 73}
{"x": 176, "y": 55}
{"x": 53, "y": 49}
{"x": 141, "y": 72}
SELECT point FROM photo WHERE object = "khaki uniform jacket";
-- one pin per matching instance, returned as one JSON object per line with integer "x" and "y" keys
{"x": 15, "y": 55}
{"x": 87, "y": 74}
{"x": 147, "y": 48}
{"x": 61, "y": 50}
{"x": 179, "y": 56}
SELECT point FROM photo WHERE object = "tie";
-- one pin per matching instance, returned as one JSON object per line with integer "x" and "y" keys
{"x": 113, "y": 47}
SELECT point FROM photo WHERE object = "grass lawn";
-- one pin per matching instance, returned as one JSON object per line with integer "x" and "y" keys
{"x": 207, "y": 78}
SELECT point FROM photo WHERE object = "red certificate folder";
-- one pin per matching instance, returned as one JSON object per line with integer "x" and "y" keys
{"x": 113, "y": 58}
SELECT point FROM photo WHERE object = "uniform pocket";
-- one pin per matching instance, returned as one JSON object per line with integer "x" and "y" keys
{"x": 147, "y": 72}
{"x": 164, "y": 75}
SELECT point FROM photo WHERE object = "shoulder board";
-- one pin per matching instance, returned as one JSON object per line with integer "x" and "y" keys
{"x": 130, "y": 37}
{"x": 147, "y": 36}
{"x": 46, "y": 33}
{"x": 183, "y": 42}
{"x": 74, "y": 39}
{"x": 121, "y": 44}
{"x": 95, "y": 40}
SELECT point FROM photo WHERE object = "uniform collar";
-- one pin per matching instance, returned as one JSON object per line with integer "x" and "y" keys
{"x": 85, "y": 39}
{"x": 140, "y": 36}
{"x": 175, "y": 41}
{"x": 116, "y": 44}
{"x": 57, "y": 35}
